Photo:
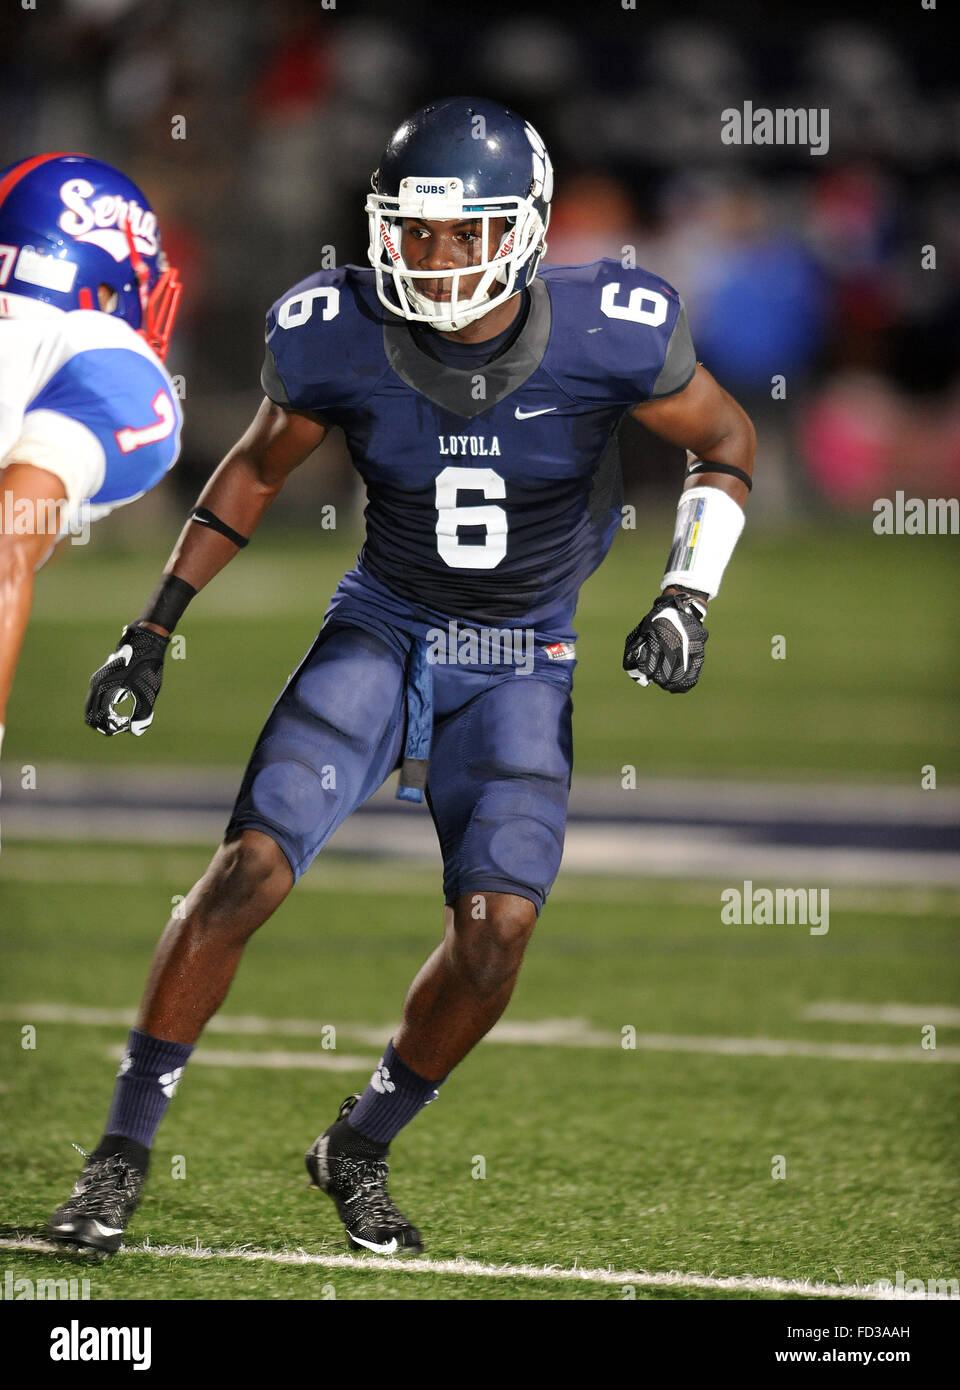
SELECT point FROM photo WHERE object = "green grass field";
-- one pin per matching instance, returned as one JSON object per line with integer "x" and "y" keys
{"x": 865, "y": 691}
{"x": 632, "y": 1160}
{"x": 638, "y": 1160}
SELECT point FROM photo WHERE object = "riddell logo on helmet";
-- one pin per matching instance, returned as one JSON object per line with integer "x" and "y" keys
{"x": 103, "y": 221}
{"x": 389, "y": 244}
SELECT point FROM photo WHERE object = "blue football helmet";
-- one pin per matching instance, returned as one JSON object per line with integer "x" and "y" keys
{"x": 69, "y": 224}
{"x": 462, "y": 157}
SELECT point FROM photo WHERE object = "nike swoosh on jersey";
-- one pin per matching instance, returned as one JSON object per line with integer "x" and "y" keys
{"x": 387, "y": 1249}
{"x": 529, "y": 414}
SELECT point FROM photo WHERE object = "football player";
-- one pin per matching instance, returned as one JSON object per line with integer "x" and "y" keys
{"x": 89, "y": 419}
{"x": 480, "y": 401}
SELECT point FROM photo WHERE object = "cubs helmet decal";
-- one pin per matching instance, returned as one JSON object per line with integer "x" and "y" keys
{"x": 69, "y": 224}
{"x": 462, "y": 157}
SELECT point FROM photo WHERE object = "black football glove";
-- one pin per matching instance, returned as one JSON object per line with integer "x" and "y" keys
{"x": 667, "y": 647}
{"x": 134, "y": 669}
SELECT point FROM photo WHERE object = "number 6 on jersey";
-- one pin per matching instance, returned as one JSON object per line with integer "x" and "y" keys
{"x": 450, "y": 517}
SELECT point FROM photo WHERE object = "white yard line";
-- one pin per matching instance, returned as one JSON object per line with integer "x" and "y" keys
{"x": 554, "y": 1032}
{"x": 907, "y": 1015}
{"x": 645, "y": 1042}
{"x": 273, "y": 1061}
{"x": 473, "y": 1269}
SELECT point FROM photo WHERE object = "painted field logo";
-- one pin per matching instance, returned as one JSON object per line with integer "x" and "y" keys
{"x": 76, "y": 1343}
{"x": 19, "y": 1290}
{"x": 776, "y": 907}
{"x": 780, "y": 126}
{"x": 916, "y": 516}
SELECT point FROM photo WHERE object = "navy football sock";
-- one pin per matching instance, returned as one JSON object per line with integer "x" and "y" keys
{"x": 394, "y": 1094}
{"x": 146, "y": 1081}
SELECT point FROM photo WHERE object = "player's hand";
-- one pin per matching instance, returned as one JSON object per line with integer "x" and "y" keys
{"x": 667, "y": 647}
{"x": 134, "y": 670}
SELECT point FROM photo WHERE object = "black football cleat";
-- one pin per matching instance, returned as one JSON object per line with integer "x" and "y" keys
{"x": 102, "y": 1202}
{"x": 358, "y": 1187}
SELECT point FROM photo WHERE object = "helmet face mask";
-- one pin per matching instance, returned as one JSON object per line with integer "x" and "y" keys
{"x": 505, "y": 174}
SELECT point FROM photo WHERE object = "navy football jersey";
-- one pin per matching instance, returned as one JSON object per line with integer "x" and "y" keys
{"x": 493, "y": 491}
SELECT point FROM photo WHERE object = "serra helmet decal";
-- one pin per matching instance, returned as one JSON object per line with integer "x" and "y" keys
{"x": 69, "y": 224}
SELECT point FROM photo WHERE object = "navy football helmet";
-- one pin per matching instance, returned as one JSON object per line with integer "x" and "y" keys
{"x": 462, "y": 157}
{"x": 69, "y": 224}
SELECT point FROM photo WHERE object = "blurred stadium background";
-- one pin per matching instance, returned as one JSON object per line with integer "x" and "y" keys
{"x": 806, "y": 770}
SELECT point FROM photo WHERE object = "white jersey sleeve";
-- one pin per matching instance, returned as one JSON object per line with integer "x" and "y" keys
{"x": 86, "y": 399}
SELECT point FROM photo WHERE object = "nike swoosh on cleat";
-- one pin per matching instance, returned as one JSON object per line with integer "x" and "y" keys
{"x": 107, "y": 1230}
{"x": 529, "y": 414}
{"x": 372, "y": 1244}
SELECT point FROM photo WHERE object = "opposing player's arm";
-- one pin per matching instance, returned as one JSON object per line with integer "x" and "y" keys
{"x": 30, "y": 501}
{"x": 667, "y": 647}
{"x": 228, "y": 511}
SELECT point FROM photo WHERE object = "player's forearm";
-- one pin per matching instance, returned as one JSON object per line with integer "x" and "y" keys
{"x": 235, "y": 501}
{"x": 708, "y": 422}
{"x": 239, "y": 497}
{"x": 732, "y": 441}
{"x": 232, "y": 505}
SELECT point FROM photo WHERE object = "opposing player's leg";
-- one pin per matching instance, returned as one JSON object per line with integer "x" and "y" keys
{"x": 332, "y": 738}
{"x": 498, "y": 786}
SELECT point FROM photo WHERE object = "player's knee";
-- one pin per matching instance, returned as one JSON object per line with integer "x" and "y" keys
{"x": 248, "y": 877}
{"x": 491, "y": 931}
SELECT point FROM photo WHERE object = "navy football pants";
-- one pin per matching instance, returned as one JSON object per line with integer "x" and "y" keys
{"x": 499, "y": 772}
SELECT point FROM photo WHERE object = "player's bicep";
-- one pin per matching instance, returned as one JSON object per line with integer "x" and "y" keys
{"x": 696, "y": 418}
{"x": 278, "y": 440}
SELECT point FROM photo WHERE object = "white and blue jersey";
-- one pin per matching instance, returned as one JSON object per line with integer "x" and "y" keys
{"x": 493, "y": 490}
{"x": 82, "y": 396}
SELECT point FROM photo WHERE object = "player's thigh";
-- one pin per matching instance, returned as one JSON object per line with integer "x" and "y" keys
{"x": 332, "y": 738}
{"x": 499, "y": 783}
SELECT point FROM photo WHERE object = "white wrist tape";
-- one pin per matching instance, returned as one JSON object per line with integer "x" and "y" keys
{"x": 709, "y": 523}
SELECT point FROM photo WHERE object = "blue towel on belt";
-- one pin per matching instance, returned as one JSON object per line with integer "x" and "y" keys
{"x": 416, "y": 751}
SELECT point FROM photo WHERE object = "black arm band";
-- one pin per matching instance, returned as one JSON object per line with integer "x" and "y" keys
{"x": 705, "y": 466}
{"x": 167, "y": 603}
{"x": 208, "y": 518}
